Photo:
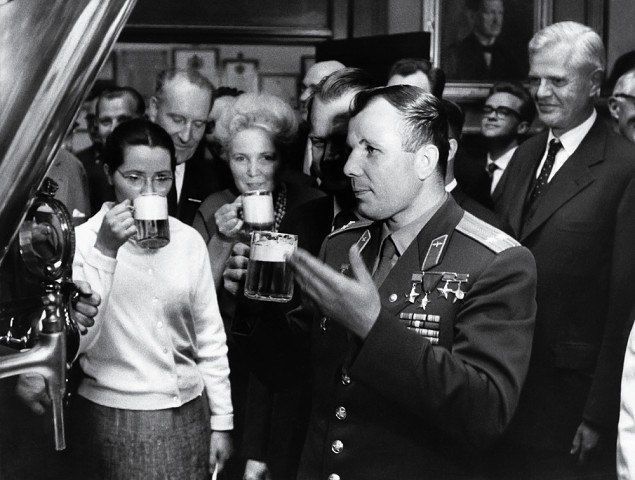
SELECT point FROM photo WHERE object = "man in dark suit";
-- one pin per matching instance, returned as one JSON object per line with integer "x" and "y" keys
{"x": 569, "y": 196}
{"x": 480, "y": 55}
{"x": 420, "y": 365}
{"x": 181, "y": 105}
{"x": 506, "y": 115}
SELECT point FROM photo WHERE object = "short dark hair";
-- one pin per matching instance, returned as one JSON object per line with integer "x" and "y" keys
{"x": 138, "y": 131}
{"x": 410, "y": 66}
{"x": 527, "y": 107}
{"x": 339, "y": 83}
{"x": 227, "y": 92}
{"x": 118, "y": 92}
{"x": 425, "y": 120}
{"x": 456, "y": 118}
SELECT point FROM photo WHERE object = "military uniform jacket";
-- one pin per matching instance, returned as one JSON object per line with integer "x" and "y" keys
{"x": 428, "y": 388}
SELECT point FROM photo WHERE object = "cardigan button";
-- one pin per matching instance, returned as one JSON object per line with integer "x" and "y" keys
{"x": 334, "y": 476}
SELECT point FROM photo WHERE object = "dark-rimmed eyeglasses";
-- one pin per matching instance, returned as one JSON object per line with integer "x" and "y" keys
{"x": 625, "y": 96}
{"x": 159, "y": 181}
{"x": 501, "y": 112}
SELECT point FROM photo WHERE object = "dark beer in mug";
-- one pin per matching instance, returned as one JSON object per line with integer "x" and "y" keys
{"x": 151, "y": 220}
{"x": 257, "y": 211}
{"x": 269, "y": 278}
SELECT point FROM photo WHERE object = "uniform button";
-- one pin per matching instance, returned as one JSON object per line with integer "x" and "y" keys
{"x": 155, "y": 299}
{"x": 346, "y": 380}
{"x": 393, "y": 297}
{"x": 323, "y": 324}
{"x": 334, "y": 476}
{"x": 160, "y": 324}
{"x": 150, "y": 271}
{"x": 165, "y": 350}
{"x": 337, "y": 446}
{"x": 176, "y": 399}
{"x": 340, "y": 413}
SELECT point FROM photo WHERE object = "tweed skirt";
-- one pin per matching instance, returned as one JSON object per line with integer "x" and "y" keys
{"x": 117, "y": 444}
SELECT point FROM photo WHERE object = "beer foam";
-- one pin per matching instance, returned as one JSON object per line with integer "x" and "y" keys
{"x": 258, "y": 209}
{"x": 270, "y": 251}
{"x": 150, "y": 207}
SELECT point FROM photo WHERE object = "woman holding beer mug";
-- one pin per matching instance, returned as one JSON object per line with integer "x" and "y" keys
{"x": 255, "y": 133}
{"x": 155, "y": 363}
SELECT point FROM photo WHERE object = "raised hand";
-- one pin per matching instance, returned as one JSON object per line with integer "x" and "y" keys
{"x": 116, "y": 228}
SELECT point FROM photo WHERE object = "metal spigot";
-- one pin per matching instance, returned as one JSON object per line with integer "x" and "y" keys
{"x": 47, "y": 357}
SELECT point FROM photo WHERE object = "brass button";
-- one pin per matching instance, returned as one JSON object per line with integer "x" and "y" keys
{"x": 340, "y": 413}
{"x": 346, "y": 380}
{"x": 393, "y": 297}
{"x": 337, "y": 446}
{"x": 323, "y": 324}
{"x": 334, "y": 476}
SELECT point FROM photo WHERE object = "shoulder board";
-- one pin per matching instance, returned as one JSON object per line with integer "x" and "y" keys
{"x": 485, "y": 234}
{"x": 351, "y": 226}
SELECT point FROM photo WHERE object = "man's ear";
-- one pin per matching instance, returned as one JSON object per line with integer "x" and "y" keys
{"x": 614, "y": 108}
{"x": 426, "y": 159}
{"x": 523, "y": 127}
{"x": 108, "y": 174}
{"x": 153, "y": 109}
{"x": 454, "y": 146}
{"x": 596, "y": 79}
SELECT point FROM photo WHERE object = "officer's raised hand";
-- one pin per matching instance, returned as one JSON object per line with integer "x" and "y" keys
{"x": 353, "y": 302}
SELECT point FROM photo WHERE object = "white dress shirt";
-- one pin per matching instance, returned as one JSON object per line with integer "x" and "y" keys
{"x": 626, "y": 425}
{"x": 158, "y": 338}
{"x": 570, "y": 140}
{"x": 179, "y": 175}
{"x": 501, "y": 162}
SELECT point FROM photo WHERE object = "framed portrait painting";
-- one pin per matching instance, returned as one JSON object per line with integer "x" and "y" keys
{"x": 138, "y": 66}
{"x": 205, "y": 61}
{"x": 478, "y": 42}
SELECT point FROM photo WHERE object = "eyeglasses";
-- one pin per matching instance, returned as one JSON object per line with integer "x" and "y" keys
{"x": 159, "y": 181}
{"x": 501, "y": 112}
{"x": 625, "y": 96}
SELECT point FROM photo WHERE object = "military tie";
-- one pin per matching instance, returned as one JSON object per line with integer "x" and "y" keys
{"x": 388, "y": 251}
{"x": 543, "y": 178}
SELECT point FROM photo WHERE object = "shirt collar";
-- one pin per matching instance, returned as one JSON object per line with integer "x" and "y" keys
{"x": 451, "y": 186}
{"x": 406, "y": 234}
{"x": 502, "y": 161}
{"x": 572, "y": 139}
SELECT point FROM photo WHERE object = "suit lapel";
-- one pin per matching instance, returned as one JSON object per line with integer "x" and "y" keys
{"x": 572, "y": 178}
{"x": 398, "y": 280}
{"x": 520, "y": 181}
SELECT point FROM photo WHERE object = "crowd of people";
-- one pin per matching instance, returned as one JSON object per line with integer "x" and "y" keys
{"x": 458, "y": 313}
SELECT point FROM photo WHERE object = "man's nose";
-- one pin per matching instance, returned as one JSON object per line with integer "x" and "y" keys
{"x": 544, "y": 88}
{"x": 185, "y": 134}
{"x": 351, "y": 167}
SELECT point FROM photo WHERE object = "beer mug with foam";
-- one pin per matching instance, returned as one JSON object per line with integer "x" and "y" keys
{"x": 269, "y": 278}
{"x": 257, "y": 210}
{"x": 151, "y": 219}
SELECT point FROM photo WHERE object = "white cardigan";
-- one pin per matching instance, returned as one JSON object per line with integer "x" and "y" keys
{"x": 158, "y": 338}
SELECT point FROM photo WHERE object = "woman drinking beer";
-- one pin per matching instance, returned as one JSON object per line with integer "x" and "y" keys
{"x": 155, "y": 363}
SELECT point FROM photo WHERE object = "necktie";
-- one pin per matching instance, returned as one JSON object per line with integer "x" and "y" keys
{"x": 388, "y": 250}
{"x": 491, "y": 168}
{"x": 542, "y": 180}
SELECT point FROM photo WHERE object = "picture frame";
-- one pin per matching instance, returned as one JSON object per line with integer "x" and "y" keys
{"x": 453, "y": 45}
{"x": 203, "y": 60}
{"x": 283, "y": 85}
{"x": 241, "y": 73}
{"x": 139, "y": 65}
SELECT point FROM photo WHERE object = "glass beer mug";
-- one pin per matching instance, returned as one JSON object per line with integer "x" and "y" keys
{"x": 151, "y": 219}
{"x": 269, "y": 278}
{"x": 257, "y": 210}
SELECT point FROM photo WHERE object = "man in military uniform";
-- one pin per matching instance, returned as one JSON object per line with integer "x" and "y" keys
{"x": 417, "y": 367}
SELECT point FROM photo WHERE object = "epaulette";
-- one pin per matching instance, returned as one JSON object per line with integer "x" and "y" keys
{"x": 484, "y": 233}
{"x": 351, "y": 226}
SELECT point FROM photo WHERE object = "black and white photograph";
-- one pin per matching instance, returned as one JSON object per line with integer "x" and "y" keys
{"x": 317, "y": 240}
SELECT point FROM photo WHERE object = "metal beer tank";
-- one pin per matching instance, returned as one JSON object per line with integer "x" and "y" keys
{"x": 50, "y": 53}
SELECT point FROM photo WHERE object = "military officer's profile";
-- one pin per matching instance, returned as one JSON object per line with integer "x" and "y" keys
{"x": 421, "y": 335}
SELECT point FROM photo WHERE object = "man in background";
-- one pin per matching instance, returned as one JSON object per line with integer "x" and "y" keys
{"x": 181, "y": 105}
{"x": 480, "y": 56}
{"x": 313, "y": 77}
{"x": 506, "y": 116}
{"x": 114, "y": 105}
{"x": 569, "y": 196}
{"x": 417, "y": 72}
{"x": 622, "y": 105}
